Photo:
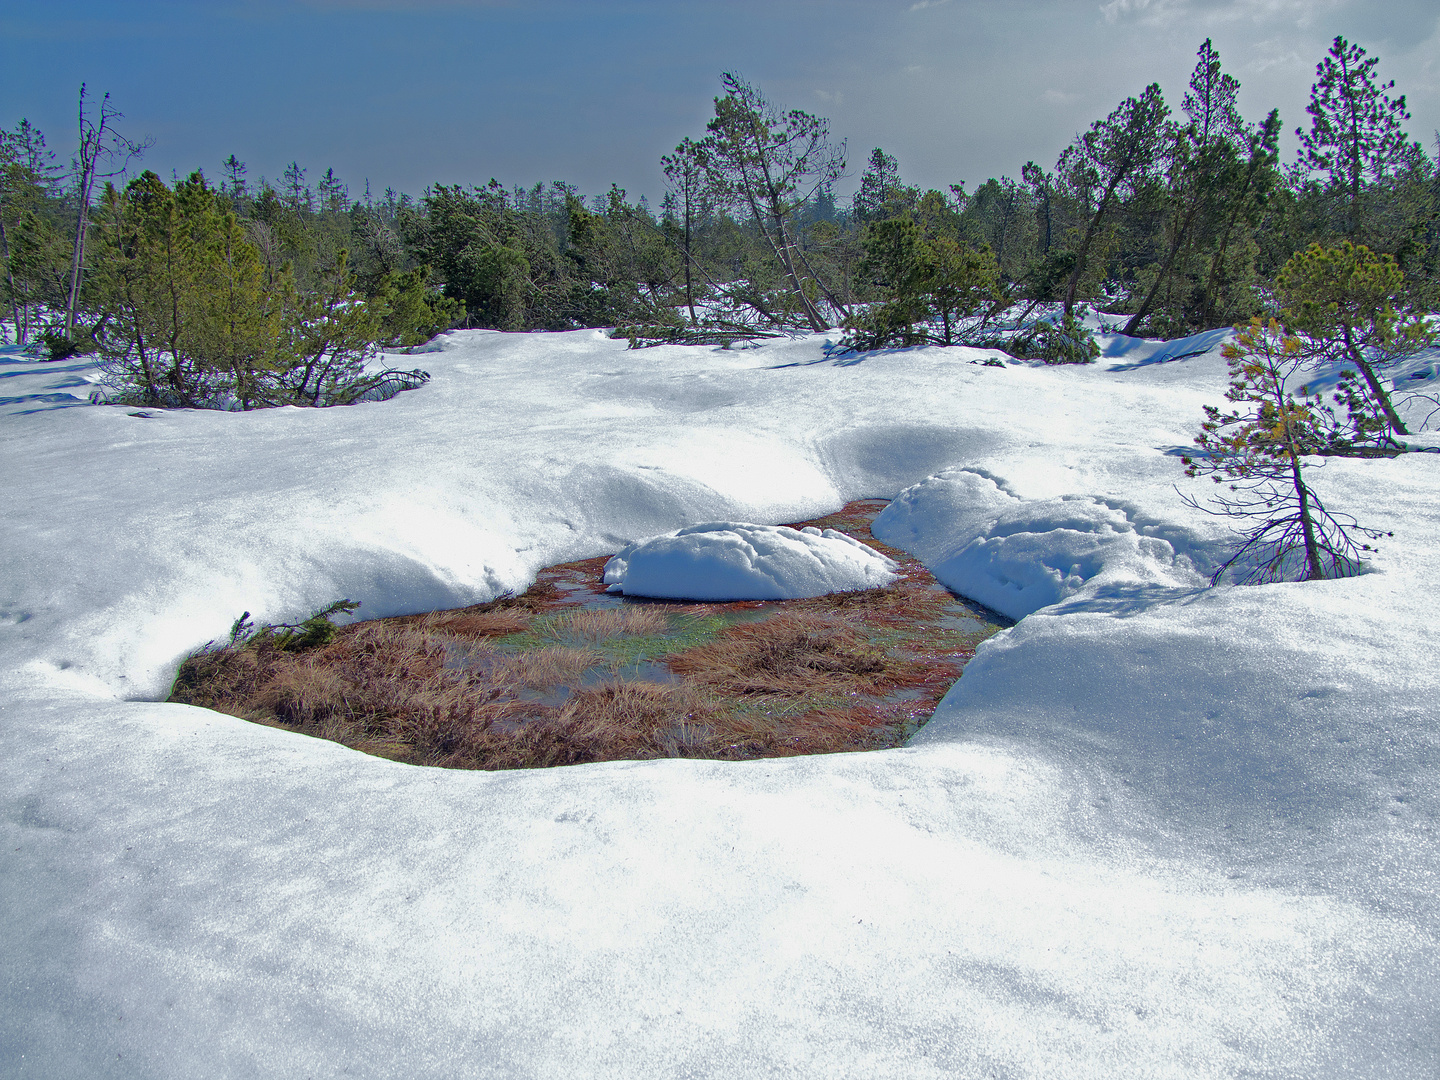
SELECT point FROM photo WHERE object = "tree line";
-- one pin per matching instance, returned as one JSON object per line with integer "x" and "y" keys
{"x": 1172, "y": 221}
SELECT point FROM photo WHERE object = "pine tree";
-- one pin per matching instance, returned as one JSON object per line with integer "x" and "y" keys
{"x": 933, "y": 284}
{"x": 881, "y": 194}
{"x": 1115, "y": 155}
{"x": 1345, "y": 299}
{"x": 193, "y": 312}
{"x": 334, "y": 195}
{"x": 685, "y": 170}
{"x": 768, "y": 164}
{"x": 28, "y": 243}
{"x": 1198, "y": 154}
{"x": 1256, "y": 452}
{"x": 234, "y": 184}
{"x": 1355, "y": 135}
{"x": 298, "y": 196}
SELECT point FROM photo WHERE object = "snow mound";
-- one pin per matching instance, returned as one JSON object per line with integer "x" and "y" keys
{"x": 730, "y": 560}
{"x": 1017, "y": 555}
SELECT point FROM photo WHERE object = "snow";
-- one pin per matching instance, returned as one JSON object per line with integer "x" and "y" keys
{"x": 1019, "y": 555}
{"x": 1157, "y": 829}
{"x": 731, "y": 560}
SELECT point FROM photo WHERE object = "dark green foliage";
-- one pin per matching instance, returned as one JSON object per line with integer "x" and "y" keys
{"x": 882, "y": 195}
{"x": 1064, "y": 342}
{"x": 934, "y": 287}
{"x": 58, "y": 345}
{"x": 414, "y": 312}
{"x": 318, "y": 629}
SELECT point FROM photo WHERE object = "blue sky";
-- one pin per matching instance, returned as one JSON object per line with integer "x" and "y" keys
{"x": 408, "y": 92}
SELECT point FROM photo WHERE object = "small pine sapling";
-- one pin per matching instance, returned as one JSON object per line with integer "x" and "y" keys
{"x": 1347, "y": 301}
{"x": 318, "y": 629}
{"x": 1255, "y": 449}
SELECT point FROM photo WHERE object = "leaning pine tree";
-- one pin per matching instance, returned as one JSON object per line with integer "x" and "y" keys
{"x": 1256, "y": 450}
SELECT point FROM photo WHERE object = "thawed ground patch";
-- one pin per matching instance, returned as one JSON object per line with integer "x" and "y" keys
{"x": 569, "y": 672}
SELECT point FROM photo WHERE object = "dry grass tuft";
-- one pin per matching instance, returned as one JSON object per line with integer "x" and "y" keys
{"x": 602, "y": 624}
{"x": 790, "y": 654}
{"x": 303, "y": 693}
{"x": 615, "y": 721}
{"x": 479, "y": 624}
{"x": 537, "y": 669}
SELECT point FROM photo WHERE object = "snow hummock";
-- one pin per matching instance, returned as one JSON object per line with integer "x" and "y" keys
{"x": 1018, "y": 555}
{"x": 731, "y": 560}
{"x": 1156, "y": 829}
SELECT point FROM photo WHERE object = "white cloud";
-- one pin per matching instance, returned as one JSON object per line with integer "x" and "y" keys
{"x": 1146, "y": 11}
{"x": 921, "y": 5}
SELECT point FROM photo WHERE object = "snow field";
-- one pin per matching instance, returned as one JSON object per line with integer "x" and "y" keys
{"x": 1155, "y": 830}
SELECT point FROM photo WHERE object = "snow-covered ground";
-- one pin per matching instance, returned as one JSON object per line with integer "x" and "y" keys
{"x": 1155, "y": 830}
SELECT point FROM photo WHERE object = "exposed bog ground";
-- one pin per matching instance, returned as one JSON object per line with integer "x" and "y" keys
{"x": 566, "y": 673}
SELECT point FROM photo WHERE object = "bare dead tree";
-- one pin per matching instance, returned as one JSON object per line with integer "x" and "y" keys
{"x": 768, "y": 164}
{"x": 99, "y": 143}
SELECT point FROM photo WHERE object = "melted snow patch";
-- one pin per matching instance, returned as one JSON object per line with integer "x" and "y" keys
{"x": 729, "y": 560}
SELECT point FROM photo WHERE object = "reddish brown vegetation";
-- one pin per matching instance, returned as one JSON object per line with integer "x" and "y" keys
{"x": 790, "y": 654}
{"x": 851, "y": 671}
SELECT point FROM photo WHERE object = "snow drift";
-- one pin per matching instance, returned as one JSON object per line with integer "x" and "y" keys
{"x": 1018, "y": 555}
{"x": 1155, "y": 830}
{"x": 728, "y": 560}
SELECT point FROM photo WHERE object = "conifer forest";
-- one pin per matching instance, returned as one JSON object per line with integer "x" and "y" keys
{"x": 1171, "y": 217}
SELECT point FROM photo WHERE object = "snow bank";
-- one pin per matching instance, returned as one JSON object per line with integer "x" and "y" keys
{"x": 728, "y": 560}
{"x": 1155, "y": 830}
{"x": 1018, "y": 555}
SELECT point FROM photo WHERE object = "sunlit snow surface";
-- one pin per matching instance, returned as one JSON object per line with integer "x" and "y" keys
{"x": 732, "y": 560}
{"x": 1155, "y": 830}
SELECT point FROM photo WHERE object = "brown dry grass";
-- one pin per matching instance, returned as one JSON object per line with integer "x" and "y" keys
{"x": 385, "y": 688}
{"x": 378, "y": 686}
{"x": 537, "y": 669}
{"x": 433, "y": 689}
{"x": 479, "y": 624}
{"x": 602, "y": 624}
{"x": 790, "y": 654}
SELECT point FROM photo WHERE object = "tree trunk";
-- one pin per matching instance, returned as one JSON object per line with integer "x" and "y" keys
{"x": 10, "y": 285}
{"x": 1073, "y": 284}
{"x": 1377, "y": 388}
{"x": 1180, "y": 233}
{"x": 91, "y": 144}
{"x": 1307, "y": 524}
{"x": 689, "y": 283}
{"x": 1302, "y": 493}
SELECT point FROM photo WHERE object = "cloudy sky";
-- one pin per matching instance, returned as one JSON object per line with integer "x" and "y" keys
{"x": 405, "y": 93}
